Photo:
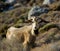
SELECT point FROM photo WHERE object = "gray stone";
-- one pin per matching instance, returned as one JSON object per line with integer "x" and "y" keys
{"x": 10, "y": 1}
{"x": 48, "y": 1}
{"x": 37, "y": 10}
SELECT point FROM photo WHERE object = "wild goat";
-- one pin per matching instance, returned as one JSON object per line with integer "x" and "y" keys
{"x": 26, "y": 32}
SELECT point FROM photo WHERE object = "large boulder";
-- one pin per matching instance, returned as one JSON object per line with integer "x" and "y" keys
{"x": 37, "y": 10}
{"x": 10, "y": 1}
{"x": 48, "y": 1}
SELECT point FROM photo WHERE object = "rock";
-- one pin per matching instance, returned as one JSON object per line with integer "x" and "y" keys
{"x": 37, "y": 10}
{"x": 6, "y": 5}
{"x": 53, "y": 16}
{"x": 10, "y": 1}
{"x": 48, "y": 1}
{"x": 17, "y": 5}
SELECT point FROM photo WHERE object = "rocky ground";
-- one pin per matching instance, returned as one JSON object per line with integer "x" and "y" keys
{"x": 48, "y": 38}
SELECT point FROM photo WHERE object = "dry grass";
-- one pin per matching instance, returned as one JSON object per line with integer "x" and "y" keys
{"x": 12, "y": 18}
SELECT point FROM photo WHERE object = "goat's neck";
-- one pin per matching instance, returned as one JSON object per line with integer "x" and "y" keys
{"x": 33, "y": 28}
{"x": 33, "y": 25}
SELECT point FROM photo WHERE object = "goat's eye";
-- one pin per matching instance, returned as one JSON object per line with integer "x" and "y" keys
{"x": 31, "y": 19}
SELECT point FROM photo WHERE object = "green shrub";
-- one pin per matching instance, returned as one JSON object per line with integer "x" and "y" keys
{"x": 47, "y": 27}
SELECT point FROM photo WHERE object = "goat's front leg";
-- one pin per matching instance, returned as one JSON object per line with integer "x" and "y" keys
{"x": 26, "y": 39}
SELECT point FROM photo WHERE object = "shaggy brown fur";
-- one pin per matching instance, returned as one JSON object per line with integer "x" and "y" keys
{"x": 25, "y": 33}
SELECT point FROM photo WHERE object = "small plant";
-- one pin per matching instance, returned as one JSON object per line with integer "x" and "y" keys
{"x": 47, "y": 27}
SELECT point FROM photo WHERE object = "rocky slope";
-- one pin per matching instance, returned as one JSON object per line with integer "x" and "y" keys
{"x": 48, "y": 38}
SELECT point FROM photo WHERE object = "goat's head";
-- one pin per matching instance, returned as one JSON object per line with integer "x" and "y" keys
{"x": 33, "y": 19}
